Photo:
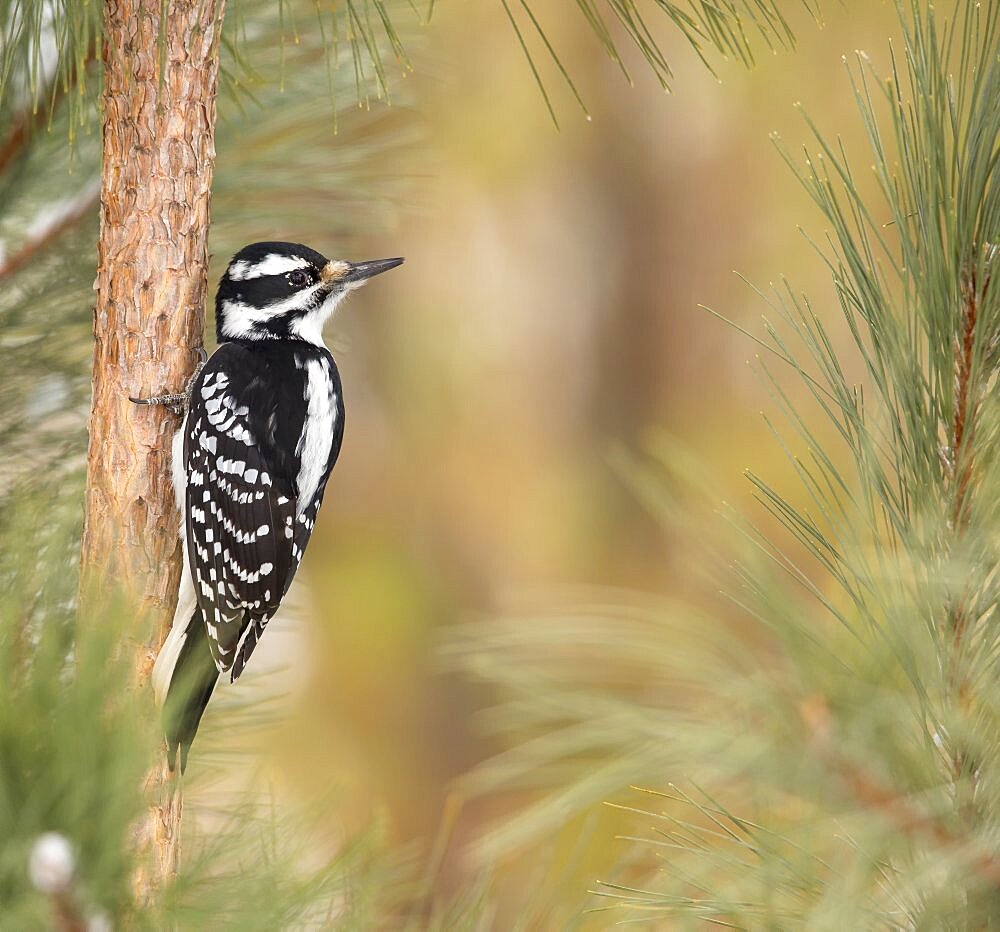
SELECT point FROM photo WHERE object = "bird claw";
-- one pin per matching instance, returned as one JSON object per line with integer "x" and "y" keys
{"x": 177, "y": 403}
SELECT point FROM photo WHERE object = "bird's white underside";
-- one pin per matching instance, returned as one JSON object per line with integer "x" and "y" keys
{"x": 317, "y": 436}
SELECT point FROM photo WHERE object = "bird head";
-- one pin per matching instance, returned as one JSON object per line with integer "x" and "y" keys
{"x": 285, "y": 291}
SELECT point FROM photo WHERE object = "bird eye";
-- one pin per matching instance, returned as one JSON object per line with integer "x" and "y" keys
{"x": 298, "y": 278}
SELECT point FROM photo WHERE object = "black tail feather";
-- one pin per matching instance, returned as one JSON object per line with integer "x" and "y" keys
{"x": 191, "y": 686}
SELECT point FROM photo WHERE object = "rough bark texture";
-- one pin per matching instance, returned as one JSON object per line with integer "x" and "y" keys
{"x": 159, "y": 153}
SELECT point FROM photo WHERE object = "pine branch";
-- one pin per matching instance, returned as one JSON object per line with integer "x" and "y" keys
{"x": 67, "y": 221}
{"x": 879, "y": 593}
{"x": 966, "y": 407}
{"x": 960, "y": 472}
{"x": 33, "y": 118}
{"x": 881, "y": 799}
{"x": 372, "y": 32}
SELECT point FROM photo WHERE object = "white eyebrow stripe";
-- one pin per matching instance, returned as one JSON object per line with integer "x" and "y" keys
{"x": 271, "y": 264}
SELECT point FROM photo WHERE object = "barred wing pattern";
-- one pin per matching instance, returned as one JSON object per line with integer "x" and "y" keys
{"x": 245, "y": 532}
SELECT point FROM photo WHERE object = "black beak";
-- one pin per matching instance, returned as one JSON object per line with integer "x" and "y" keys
{"x": 360, "y": 271}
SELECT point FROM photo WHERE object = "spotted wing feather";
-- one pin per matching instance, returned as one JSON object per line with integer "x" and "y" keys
{"x": 240, "y": 501}
{"x": 321, "y": 392}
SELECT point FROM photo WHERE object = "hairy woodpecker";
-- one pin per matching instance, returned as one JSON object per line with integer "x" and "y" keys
{"x": 262, "y": 430}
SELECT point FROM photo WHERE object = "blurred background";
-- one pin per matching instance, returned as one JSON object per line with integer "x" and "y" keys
{"x": 547, "y": 318}
{"x": 545, "y": 329}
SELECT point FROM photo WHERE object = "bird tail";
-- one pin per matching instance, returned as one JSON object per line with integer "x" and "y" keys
{"x": 184, "y": 677}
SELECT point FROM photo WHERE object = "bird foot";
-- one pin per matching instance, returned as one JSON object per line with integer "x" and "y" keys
{"x": 177, "y": 403}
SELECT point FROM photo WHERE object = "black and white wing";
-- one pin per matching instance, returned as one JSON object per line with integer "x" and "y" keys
{"x": 244, "y": 539}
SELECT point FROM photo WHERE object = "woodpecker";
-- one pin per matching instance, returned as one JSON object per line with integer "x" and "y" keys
{"x": 262, "y": 429}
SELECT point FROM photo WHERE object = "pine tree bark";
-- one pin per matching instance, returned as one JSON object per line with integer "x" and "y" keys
{"x": 160, "y": 80}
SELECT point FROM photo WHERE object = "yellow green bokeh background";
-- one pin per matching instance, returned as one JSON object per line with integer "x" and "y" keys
{"x": 545, "y": 327}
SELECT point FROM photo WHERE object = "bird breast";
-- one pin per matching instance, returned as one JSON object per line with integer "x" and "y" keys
{"x": 316, "y": 442}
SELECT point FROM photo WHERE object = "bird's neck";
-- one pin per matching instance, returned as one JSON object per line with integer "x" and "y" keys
{"x": 238, "y": 322}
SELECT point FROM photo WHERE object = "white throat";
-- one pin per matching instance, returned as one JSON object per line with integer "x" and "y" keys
{"x": 309, "y": 327}
{"x": 243, "y": 322}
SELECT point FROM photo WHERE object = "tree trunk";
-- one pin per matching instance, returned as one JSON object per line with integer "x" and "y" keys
{"x": 159, "y": 154}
